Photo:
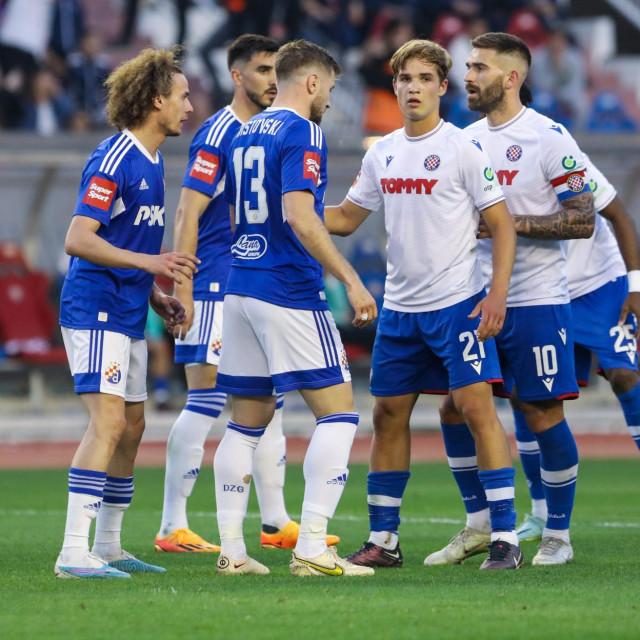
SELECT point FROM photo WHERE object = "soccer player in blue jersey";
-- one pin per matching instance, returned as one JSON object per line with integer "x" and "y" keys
{"x": 432, "y": 180}
{"x": 278, "y": 332}
{"x": 114, "y": 241}
{"x": 202, "y": 227}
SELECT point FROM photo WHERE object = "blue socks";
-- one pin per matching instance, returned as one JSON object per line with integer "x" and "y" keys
{"x": 499, "y": 488}
{"x": 384, "y": 497}
{"x": 630, "y": 403}
{"x": 529, "y": 455}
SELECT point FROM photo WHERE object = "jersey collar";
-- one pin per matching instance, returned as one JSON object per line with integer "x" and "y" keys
{"x": 284, "y": 109}
{"x": 141, "y": 147}
{"x": 433, "y": 132}
{"x": 508, "y": 124}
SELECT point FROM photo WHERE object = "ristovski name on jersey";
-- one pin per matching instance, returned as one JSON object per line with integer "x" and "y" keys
{"x": 267, "y": 126}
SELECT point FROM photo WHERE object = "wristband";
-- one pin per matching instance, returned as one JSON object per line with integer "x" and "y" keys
{"x": 634, "y": 281}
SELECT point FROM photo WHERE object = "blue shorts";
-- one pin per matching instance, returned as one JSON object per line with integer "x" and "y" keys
{"x": 432, "y": 351}
{"x": 536, "y": 353}
{"x": 596, "y": 330}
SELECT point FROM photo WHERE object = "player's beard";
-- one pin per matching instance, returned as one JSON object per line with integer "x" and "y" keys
{"x": 317, "y": 110}
{"x": 261, "y": 100}
{"x": 488, "y": 99}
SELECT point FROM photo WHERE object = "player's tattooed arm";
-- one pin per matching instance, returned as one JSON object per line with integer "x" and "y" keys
{"x": 575, "y": 220}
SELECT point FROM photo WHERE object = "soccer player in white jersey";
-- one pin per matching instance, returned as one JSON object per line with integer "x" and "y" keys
{"x": 278, "y": 332}
{"x": 114, "y": 242}
{"x": 202, "y": 227}
{"x": 541, "y": 170}
{"x": 605, "y": 304}
{"x": 436, "y": 323}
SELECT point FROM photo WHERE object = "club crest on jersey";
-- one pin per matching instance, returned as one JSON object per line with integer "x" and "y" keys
{"x": 216, "y": 345}
{"x": 575, "y": 183}
{"x": 568, "y": 163}
{"x": 514, "y": 153}
{"x": 431, "y": 163}
{"x": 113, "y": 374}
{"x": 205, "y": 167}
{"x": 249, "y": 246}
{"x": 311, "y": 166}
{"x": 343, "y": 360}
{"x": 100, "y": 193}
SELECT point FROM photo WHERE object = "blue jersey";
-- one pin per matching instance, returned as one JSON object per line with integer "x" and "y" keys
{"x": 208, "y": 160}
{"x": 122, "y": 187}
{"x": 274, "y": 153}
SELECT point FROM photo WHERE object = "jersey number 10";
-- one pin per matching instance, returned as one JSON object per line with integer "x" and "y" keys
{"x": 252, "y": 192}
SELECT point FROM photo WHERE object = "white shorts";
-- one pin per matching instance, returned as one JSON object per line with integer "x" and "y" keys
{"x": 107, "y": 362}
{"x": 203, "y": 341}
{"x": 267, "y": 346}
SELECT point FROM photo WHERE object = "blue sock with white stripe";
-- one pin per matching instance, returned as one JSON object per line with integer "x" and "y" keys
{"x": 630, "y": 403}
{"x": 86, "y": 489}
{"x": 499, "y": 488}
{"x": 384, "y": 498}
{"x": 185, "y": 449}
{"x": 117, "y": 498}
{"x": 461, "y": 455}
{"x": 529, "y": 451}
{"x": 233, "y": 468}
{"x": 559, "y": 469}
{"x": 325, "y": 475}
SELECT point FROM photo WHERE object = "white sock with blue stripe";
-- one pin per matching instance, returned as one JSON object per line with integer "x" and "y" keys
{"x": 185, "y": 449}
{"x": 85, "y": 498}
{"x": 269, "y": 464}
{"x": 117, "y": 498}
{"x": 233, "y": 467}
{"x": 325, "y": 475}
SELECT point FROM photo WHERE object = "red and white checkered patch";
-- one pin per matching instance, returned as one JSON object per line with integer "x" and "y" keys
{"x": 112, "y": 374}
{"x": 514, "y": 152}
{"x": 431, "y": 163}
{"x": 575, "y": 183}
{"x": 216, "y": 345}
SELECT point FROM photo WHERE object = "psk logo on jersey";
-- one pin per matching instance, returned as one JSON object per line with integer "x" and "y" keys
{"x": 431, "y": 163}
{"x": 488, "y": 174}
{"x": 143, "y": 185}
{"x": 514, "y": 153}
{"x": 153, "y": 214}
{"x": 113, "y": 374}
{"x": 575, "y": 183}
{"x": 216, "y": 345}
{"x": 249, "y": 246}
{"x": 569, "y": 163}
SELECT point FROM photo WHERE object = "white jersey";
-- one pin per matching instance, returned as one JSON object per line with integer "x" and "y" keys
{"x": 538, "y": 165}
{"x": 594, "y": 261}
{"x": 432, "y": 187}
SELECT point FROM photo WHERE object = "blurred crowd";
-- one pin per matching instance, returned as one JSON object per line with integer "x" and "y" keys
{"x": 55, "y": 54}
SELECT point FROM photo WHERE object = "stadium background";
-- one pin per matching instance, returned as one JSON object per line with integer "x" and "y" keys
{"x": 40, "y": 165}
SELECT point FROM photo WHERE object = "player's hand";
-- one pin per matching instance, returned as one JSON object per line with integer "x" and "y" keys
{"x": 631, "y": 305}
{"x": 483, "y": 229}
{"x": 493, "y": 309}
{"x": 179, "y": 331}
{"x": 176, "y": 265}
{"x": 170, "y": 309}
{"x": 363, "y": 304}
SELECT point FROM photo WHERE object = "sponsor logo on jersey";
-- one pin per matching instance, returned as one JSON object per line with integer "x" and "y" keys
{"x": 488, "y": 174}
{"x": 216, "y": 345}
{"x": 514, "y": 153}
{"x": 505, "y": 177}
{"x": 311, "y": 166}
{"x": 113, "y": 373}
{"x": 593, "y": 185}
{"x": 143, "y": 185}
{"x": 205, "y": 166}
{"x": 568, "y": 163}
{"x": 407, "y": 185}
{"x": 431, "y": 163}
{"x": 557, "y": 128}
{"x": 100, "y": 193}
{"x": 548, "y": 382}
{"x": 575, "y": 183}
{"x": 154, "y": 214}
{"x": 477, "y": 144}
{"x": 249, "y": 246}
{"x": 563, "y": 335}
{"x": 388, "y": 159}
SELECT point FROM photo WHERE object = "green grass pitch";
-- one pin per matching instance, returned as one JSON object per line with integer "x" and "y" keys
{"x": 597, "y": 596}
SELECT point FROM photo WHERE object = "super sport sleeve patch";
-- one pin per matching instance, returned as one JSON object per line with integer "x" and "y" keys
{"x": 100, "y": 193}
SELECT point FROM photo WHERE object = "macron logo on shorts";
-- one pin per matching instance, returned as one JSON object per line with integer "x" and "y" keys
{"x": 311, "y": 166}
{"x": 205, "y": 167}
{"x": 100, "y": 193}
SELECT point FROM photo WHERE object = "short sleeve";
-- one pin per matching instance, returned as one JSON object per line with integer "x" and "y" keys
{"x": 364, "y": 191}
{"x": 303, "y": 157}
{"x": 603, "y": 191}
{"x": 563, "y": 163}
{"x": 478, "y": 176}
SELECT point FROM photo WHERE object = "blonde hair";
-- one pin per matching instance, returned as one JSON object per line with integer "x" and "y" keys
{"x": 133, "y": 86}
{"x": 425, "y": 51}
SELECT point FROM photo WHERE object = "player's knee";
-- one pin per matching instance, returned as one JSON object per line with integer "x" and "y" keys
{"x": 388, "y": 419}
{"x": 448, "y": 412}
{"x": 622, "y": 380}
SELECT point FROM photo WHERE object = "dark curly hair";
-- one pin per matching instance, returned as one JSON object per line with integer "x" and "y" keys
{"x": 133, "y": 86}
